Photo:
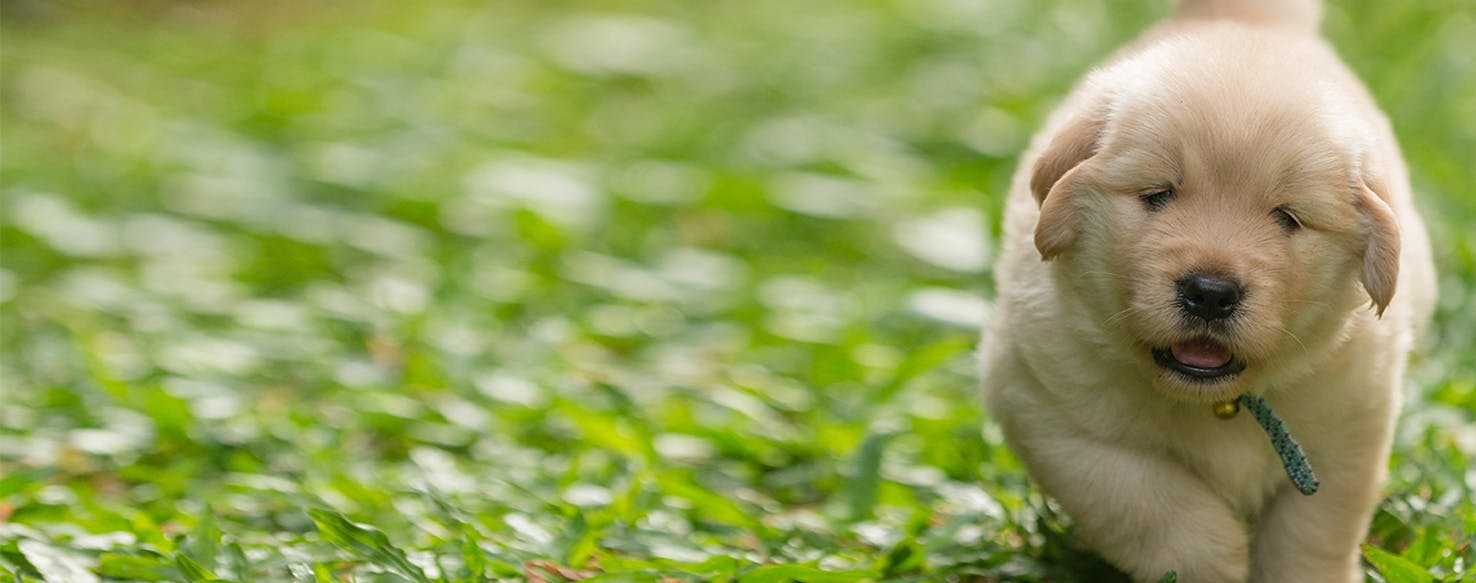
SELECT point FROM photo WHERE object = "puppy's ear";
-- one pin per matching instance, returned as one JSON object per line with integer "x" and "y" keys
{"x": 1380, "y": 269}
{"x": 1052, "y": 177}
{"x": 1060, "y": 218}
{"x": 1072, "y": 145}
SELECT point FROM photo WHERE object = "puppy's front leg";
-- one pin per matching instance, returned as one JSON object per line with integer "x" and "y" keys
{"x": 1315, "y": 538}
{"x": 1143, "y": 512}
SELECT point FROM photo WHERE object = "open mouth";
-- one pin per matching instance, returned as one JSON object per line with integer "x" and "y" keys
{"x": 1200, "y": 359}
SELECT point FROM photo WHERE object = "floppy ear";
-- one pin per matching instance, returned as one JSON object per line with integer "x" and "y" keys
{"x": 1380, "y": 270}
{"x": 1051, "y": 179}
{"x": 1060, "y": 216}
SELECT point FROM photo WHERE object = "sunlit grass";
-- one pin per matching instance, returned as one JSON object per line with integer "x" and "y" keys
{"x": 522, "y": 290}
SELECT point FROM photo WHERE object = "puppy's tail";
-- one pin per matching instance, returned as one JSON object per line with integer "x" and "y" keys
{"x": 1298, "y": 15}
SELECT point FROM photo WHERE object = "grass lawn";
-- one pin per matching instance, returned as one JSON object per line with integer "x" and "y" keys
{"x": 611, "y": 291}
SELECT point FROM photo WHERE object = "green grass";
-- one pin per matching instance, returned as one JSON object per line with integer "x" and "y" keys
{"x": 548, "y": 290}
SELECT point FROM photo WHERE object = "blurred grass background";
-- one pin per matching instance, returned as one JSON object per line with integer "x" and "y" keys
{"x": 619, "y": 291}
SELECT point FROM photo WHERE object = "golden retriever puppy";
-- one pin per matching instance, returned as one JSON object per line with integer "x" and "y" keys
{"x": 1219, "y": 210}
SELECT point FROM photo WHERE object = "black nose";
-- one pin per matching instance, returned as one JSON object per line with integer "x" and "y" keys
{"x": 1208, "y": 296}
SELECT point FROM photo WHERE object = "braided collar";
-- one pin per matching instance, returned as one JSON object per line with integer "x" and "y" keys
{"x": 1292, "y": 456}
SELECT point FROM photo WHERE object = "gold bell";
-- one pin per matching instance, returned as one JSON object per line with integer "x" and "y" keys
{"x": 1227, "y": 409}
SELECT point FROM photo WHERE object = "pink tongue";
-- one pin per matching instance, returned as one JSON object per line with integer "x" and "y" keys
{"x": 1201, "y": 353}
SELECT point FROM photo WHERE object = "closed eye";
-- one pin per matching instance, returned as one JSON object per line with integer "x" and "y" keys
{"x": 1156, "y": 199}
{"x": 1286, "y": 219}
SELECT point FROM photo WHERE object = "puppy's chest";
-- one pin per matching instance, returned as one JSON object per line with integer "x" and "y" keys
{"x": 1234, "y": 457}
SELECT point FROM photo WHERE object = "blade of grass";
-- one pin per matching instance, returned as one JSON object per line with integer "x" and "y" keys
{"x": 866, "y": 482}
{"x": 1394, "y": 568}
{"x": 137, "y": 568}
{"x": 366, "y": 543}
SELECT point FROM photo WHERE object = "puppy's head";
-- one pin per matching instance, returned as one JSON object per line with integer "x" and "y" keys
{"x": 1220, "y": 222}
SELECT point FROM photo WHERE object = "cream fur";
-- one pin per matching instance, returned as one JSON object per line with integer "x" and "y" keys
{"x": 1241, "y": 107}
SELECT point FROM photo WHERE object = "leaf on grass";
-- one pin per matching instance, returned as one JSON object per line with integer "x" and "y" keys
{"x": 137, "y": 568}
{"x": 472, "y": 557}
{"x": 1389, "y": 528}
{"x": 707, "y": 504}
{"x": 1394, "y": 568}
{"x": 365, "y": 542}
{"x": 580, "y": 540}
{"x": 55, "y": 565}
{"x": 204, "y": 539}
{"x": 863, "y": 487}
{"x": 236, "y": 556}
{"x": 192, "y": 571}
{"x": 905, "y": 557}
{"x": 716, "y": 567}
{"x": 616, "y": 433}
{"x": 803, "y": 574}
{"x": 1169, "y": 577}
